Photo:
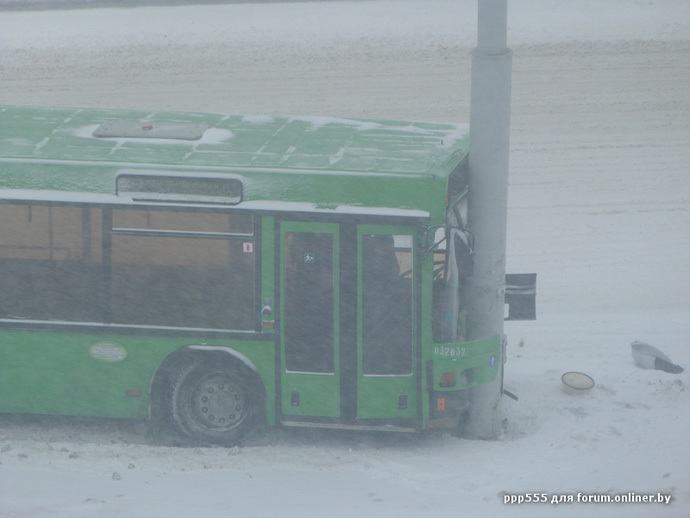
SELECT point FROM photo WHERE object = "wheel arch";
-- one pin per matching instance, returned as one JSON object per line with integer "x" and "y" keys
{"x": 161, "y": 381}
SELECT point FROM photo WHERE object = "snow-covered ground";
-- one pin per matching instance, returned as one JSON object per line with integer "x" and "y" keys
{"x": 599, "y": 207}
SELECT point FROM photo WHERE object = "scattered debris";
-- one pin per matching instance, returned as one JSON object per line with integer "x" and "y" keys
{"x": 235, "y": 450}
{"x": 93, "y": 501}
{"x": 510, "y": 394}
{"x": 649, "y": 357}
{"x": 577, "y": 383}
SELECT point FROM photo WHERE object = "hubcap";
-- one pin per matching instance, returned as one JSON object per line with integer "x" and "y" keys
{"x": 218, "y": 402}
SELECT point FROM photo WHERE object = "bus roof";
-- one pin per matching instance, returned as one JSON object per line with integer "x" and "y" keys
{"x": 314, "y": 160}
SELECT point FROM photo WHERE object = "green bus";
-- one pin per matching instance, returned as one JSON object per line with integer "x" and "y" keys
{"x": 216, "y": 273}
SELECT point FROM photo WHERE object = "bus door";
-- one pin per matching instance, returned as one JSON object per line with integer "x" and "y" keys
{"x": 347, "y": 321}
{"x": 386, "y": 367}
{"x": 309, "y": 319}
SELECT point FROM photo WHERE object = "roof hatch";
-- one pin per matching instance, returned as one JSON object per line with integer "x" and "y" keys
{"x": 149, "y": 129}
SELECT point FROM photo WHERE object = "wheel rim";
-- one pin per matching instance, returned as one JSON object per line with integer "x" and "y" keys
{"x": 218, "y": 403}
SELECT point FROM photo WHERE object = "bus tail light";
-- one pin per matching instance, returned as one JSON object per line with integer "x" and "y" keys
{"x": 440, "y": 404}
{"x": 447, "y": 379}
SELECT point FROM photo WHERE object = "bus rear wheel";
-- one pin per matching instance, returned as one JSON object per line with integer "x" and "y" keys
{"x": 214, "y": 404}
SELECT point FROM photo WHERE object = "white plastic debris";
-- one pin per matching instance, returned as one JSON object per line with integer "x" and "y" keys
{"x": 649, "y": 357}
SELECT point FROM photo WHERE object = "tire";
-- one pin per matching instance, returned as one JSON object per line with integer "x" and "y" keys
{"x": 214, "y": 404}
{"x": 459, "y": 431}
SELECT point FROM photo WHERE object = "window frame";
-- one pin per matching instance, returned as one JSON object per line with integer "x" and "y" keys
{"x": 107, "y": 232}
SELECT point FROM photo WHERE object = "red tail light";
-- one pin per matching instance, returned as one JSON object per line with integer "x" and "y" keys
{"x": 447, "y": 379}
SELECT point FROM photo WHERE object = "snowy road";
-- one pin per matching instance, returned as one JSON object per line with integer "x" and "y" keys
{"x": 599, "y": 207}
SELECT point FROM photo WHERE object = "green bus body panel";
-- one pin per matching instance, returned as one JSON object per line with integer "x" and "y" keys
{"x": 427, "y": 297}
{"x": 377, "y": 397}
{"x": 482, "y": 358}
{"x": 395, "y": 164}
{"x": 268, "y": 271}
{"x": 319, "y": 394}
{"x": 45, "y": 372}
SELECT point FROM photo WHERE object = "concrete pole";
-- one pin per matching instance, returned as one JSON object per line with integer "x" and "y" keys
{"x": 488, "y": 202}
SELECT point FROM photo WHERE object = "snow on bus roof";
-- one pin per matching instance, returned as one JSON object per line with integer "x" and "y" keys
{"x": 324, "y": 161}
{"x": 318, "y": 143}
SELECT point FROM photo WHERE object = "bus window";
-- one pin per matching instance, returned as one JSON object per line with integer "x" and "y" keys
{"x": 164, "y": 279}
{"x": 387, "y": 305}
{"x": 183, "y": 221}
{"x": 50, "y": 263}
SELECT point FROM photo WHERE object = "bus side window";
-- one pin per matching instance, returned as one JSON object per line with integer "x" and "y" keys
{"x": 50, "y": 263}
{"x": 165, "y": 279}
